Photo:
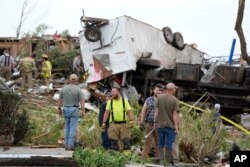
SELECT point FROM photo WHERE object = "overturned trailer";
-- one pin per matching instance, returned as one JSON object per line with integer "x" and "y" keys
{"x": 143, "y": 55}
{"x": 125, "y": 45}
{"x": 115, "y": 46}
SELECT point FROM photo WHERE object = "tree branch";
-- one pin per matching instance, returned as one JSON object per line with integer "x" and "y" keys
{"x": 25, "y": 4}
{"x": 238, "y": 28}
{"x": 26, "y": 12}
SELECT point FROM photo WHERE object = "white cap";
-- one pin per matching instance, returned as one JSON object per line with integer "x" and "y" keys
{"x": 217, "y": 107}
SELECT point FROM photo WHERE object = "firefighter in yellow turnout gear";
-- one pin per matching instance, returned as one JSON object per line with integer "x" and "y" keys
{"x": 46, "y": 69}
{"x": 119, "y": 113}
{"x": 27, "y": 67}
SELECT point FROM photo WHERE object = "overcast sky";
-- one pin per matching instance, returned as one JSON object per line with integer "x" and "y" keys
{"x": 208, "y": 23}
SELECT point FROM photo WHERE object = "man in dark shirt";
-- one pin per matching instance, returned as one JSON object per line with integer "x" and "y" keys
{"x": 104, "y": 135}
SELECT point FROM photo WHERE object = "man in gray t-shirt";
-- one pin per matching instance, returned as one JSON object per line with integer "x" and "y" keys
{"x": 70, "y": 97}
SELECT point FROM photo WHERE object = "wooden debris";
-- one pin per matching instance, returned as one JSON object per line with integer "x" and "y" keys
{"x": 45, "y": 146}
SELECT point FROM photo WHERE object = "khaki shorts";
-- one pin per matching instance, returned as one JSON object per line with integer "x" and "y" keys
{"x": 118, "y": 131}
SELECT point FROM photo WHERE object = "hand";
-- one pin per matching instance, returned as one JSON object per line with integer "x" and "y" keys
{"x": 82, "y": 113}
{"x": 103, "y": 127}
{"x": 142, "y": 125}
{"x": 176, "y": 129}
{"x": 60, "y": 111}
{"x": 155, "y": 124}
{"x": 131, "y": 124}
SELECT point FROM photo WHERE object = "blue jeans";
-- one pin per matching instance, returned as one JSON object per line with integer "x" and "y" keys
{"x": 105, "y": 139}
{"x": 71, "y": 121}
{"x": 166, "y": 137}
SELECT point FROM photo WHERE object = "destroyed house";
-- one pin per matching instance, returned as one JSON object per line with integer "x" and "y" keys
{"x": 26, "y": 46}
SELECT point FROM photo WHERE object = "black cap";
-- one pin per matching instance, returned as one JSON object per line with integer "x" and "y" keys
{"x": 33, "y": 55}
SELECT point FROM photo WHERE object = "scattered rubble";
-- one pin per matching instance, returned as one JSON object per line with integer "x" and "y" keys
{"x": 197, "y": 145}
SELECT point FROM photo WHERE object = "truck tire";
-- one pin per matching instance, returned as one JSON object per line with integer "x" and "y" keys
{"x": 93, "y": 34}
{"x": 152, "y": 63}
{"x": 247, "y": 73}
{"x": 178, "y": 40}
{"x": 168, "y": 35}
{"x": 247, "y": 82}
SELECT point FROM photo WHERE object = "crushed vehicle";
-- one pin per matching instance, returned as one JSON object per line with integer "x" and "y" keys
{"x": 138, "y": 55}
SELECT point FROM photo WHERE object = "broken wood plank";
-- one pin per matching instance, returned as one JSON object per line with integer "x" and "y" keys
{"x": 44, "y": 146}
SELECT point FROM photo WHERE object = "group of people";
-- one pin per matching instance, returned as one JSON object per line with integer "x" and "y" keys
{"x": 159, "y": 116}
{"x": 113, "y": 117}
{"x": 29, "y": 68}
{"x": 70, "y": 95}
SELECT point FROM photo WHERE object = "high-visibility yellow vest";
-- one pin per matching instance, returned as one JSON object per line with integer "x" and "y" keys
{"x": 46, "y": 69}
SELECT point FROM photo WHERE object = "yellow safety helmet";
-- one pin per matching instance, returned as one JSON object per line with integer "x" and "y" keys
{"x": 45, "y": 56}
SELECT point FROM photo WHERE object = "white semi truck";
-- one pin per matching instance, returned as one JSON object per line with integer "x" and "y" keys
{"x": 144, "y": 55}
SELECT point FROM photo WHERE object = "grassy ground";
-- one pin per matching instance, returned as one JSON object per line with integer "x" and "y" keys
{"x": 196, "y": 138}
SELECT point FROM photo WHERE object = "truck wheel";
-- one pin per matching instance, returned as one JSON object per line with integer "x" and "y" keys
{"x": 178, "y": 40}
{"x": 247, "y": 73}
{"x": 92, "y": 34}
{"x": 168, "y": 35}
{"x": 247, "y": 82}
{"x": 152, "y": 63}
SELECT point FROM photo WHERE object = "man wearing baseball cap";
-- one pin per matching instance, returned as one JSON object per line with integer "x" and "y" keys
{"x": 166, "y": 119}
{"x": 70, "y": 97}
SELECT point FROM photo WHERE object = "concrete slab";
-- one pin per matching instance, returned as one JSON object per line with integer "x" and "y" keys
{"x": 27, "y": 152}
{"x": 133, "y": 165}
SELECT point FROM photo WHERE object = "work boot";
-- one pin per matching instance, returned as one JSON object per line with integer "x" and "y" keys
{"x": 126, "y": 144}
{"x": 145, "y": 151}
{"x": 168, "y": 155}
{"x": 161, "y": 154}
{"x": 114, "y": 144}
{"x": 156, "y": 152}
{"x": 162, "y": 157}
